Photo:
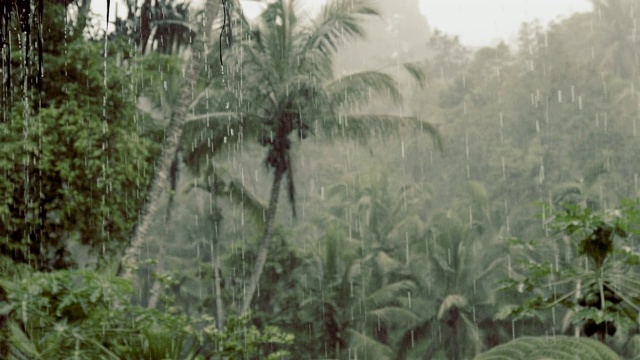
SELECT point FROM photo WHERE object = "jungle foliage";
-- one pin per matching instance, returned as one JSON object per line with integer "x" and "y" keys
{"x": 415, "y": 185}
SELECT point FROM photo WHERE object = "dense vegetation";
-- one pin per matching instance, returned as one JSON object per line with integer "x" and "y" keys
{"x": 439, "y": 202}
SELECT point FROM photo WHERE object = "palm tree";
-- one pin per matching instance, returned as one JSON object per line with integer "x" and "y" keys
{"x": 356, "y": 301}
{"x": 617, "y": 35}
{"x": 158, "y": 25}
{"x": 456, "y": 269}
{"x": 361, "y": 291}
{"x": 298, "y": 95}
{"x": 204, "y": 133}
{"x": 170, "y": 144}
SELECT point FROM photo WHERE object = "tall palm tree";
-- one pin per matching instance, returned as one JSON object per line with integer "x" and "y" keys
{"x": 298, "y": 96}
{"x": 617, "y": 35}
{"x": 173, "y": 133}
{"x": 204, "y": 133}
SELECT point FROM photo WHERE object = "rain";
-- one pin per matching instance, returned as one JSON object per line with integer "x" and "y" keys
{"x": 335, "y": 179}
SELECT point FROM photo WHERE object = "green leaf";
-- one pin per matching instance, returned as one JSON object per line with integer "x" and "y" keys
{"x": 557, "y": 348}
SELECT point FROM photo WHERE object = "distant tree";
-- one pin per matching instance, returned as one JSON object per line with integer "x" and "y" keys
{"x": 354, "y": 302}
{"x": 615, "y": 35}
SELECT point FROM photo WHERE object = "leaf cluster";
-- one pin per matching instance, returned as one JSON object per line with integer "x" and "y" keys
{"x": 86, "y": 314}
{"x": 600, "y": 292}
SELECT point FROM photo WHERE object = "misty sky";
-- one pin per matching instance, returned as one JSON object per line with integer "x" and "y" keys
{"x": 480, "y": 22}
{"x": 477, "y": 22}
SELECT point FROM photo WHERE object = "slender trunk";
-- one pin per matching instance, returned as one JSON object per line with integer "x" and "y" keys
{"x": 217, "y": 219}
{"x": 156, "y": 289}
{"x": 193, "y": 68}
{"x": 454, "y": 344}
{"x": 216, "y": 275}
{"x": 264, "y": 244}
{"x": 436, "y": 344}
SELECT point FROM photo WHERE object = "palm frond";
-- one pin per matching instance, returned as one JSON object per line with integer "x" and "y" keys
{"x": 489, "y": 269}
{"x": 363, "y": 126}
{"x": 20, "y": 346}
{"x": 162, "y": 344}
{"x": 478, "y": 194}
{"x": 204, "y": 135}
{"x": 395, "y": 315}
{"x": 557, "y": 347}
{"x": 416, "y": 70}
{"x": 248, "y": 200}
{"x": 339, "y": 21}
{"x": 361, "y": 86}
{"x": 107, "y": 354}
{"x": 593, "y": 172}
{"x": 410, "y": 225}
{"x": 386, "y": 263}
{"x": 367, "y": 345}
{"x": 389, "y": 293}
{"x": 452, "y": 301}
{"x": 474, "y": 334}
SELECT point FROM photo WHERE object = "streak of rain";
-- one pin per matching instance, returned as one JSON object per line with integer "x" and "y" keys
{"x": 162, "y": 196}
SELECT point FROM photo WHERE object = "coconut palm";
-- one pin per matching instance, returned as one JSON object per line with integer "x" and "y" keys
{"x": 357, "y": 303}
{"x": 617, "y": 35}
{"x": 458, "y": 270}
{"x": 204, "y": 133}
{"x": 289, "y": 61}
{"x": 361, "y": 292}
{"x": 170, "y": 144}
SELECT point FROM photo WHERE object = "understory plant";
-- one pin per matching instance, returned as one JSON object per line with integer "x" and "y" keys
{"x": 592, "y": 273}
{"x": 77, "y": 314}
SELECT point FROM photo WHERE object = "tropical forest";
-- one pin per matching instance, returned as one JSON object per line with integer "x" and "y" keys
{"x": 193, "y": 180}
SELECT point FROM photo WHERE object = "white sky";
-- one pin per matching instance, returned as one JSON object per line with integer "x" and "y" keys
{"x": 480, "y": 22}
{"x": 477, "y": 22}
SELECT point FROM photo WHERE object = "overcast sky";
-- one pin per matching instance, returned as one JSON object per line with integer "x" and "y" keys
{"x": 477, "y": 22}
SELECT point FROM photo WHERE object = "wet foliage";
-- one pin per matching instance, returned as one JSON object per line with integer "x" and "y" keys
{"x": 438, "y": 201}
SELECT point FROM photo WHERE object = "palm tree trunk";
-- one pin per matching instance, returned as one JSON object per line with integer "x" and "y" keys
{"x": 216, "y": 279}
{"x": 264, "y": 245}
{"x": 454, "y": 343}
{"x": 193, "y": 68}
{"x": 216, "y": 217}
{"x": 437, "y": 345}
{"x": 156, "y": 289}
